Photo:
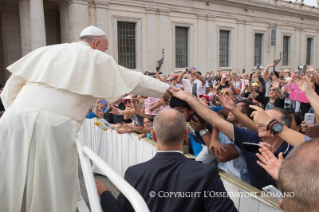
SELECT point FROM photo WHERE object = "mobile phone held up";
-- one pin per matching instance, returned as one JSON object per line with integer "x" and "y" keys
{"x": 309, "y": 118}
{"x": 251, "y": 147}
{"x": 302, "y": 68}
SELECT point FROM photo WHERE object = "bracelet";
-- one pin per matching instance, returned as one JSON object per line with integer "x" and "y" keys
{"x": 272, "y": 124}
{"x": 268, "y": 125}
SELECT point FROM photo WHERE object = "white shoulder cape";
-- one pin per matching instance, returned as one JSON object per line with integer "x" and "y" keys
{"x": 78, "y": 68}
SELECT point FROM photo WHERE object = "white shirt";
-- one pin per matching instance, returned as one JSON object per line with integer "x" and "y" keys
{"x": 200, "y": 89}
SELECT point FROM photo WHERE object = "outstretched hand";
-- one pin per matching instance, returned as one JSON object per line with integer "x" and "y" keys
{"x": 182, "y": 95}
{"x": 226, "y": 102}
{"x": 260, "y": 116}
{"x": 269, "y": 162}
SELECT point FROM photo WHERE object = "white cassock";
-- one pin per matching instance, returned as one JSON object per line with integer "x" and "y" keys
{"x": 46, "y": 100}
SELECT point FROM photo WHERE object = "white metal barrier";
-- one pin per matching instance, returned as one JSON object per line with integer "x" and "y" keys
{"x": 122, "y": 151}
{"x": 127, "y": 190}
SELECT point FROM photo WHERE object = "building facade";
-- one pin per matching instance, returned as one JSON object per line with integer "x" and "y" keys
{"x": 231, "y": 34}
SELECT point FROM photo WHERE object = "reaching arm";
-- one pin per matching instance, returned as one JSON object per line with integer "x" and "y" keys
{"x": 11, "y": 90}
{"x": 207, "y": 114}
{"x": 266, "y": 73}
{"x": 292, "y": 137}
{"x": 155, "y": 106}
{"x": 180, "y": 77}
{"x": 200, "y": 78}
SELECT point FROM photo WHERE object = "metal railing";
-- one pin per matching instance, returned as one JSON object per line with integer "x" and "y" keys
{"x": 85, "y": 154}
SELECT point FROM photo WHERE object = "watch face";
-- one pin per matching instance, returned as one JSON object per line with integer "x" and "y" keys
{"x": 277, "y": 127}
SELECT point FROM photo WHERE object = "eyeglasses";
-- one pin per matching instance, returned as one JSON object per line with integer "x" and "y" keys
{"x": 272, "y": 89}
{"x": 224, "y": 92}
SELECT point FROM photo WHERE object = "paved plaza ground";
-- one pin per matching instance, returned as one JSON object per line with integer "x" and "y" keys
{"x": 101, "y": 178}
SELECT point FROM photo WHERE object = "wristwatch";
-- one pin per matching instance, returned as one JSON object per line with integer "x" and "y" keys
{"x": 276, "y": 128}
{"x": 203, "y": 132}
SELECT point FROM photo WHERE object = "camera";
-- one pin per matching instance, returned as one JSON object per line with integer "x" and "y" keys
{"x": 302, "y": 68}
{"x": 153, "y": 73}
{"x": 135, "y": 96}
{"x": 259, "y": 66}
{"x": 189, "y": 70}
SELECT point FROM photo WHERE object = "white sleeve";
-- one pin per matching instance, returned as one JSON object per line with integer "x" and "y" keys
{"x": 11, "y": 90}
{"x": 150, "y": 87}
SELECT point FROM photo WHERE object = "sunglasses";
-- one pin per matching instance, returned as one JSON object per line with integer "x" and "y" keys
{"x": 224, "y": 92}
{"x": 272, "y": 89}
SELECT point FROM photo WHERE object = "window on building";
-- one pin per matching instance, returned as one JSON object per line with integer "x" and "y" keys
{"x": 181, "y": 47}
{"x": 309, "y": 50}
{"x": 126, "y": 39}
{"x": 223, "y": 48}
{"x": 286, "y": 50}
{"x": 258, "y": 48}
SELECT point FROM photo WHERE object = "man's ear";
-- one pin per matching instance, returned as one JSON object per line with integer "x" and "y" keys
{"x": 154, "y": 138}
{"x": 96, "y": 43}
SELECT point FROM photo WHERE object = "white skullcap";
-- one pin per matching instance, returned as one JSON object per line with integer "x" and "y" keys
{"x": 92, "y": 31}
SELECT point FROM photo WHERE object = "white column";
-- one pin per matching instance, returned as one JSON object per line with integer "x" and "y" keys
{"x": 303, "y": 46}
{"x": 201, "y": 44}
{"x": 78, "y": 18}
{"x": 10, "y": 31}
{"x": 24, "y": 13}
{"x": 64, "y": 22}
{"x": 101, "y": 15}
{"x": 151, "y": 30}
{"x": 164, "y": 33}
{"x": 37, "y": 24}
{"x": 279, "y": 47}
{"x": 240, "y": 45}
{"x": 297, "y": 47}
{"x": 248, "y": 47}
{"x": 211, "y": 44}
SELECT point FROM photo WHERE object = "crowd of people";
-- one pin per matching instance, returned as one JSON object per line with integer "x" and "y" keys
{"x": 225, "y": 110}
{"x": 248, "y": 125}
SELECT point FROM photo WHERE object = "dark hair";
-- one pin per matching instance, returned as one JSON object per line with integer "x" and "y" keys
{"x": 174, "y": 78}
{"x": 175, "y": 102}
{"x": 286, "y": 118}
{"x": 297, "y": 117}
{"x": 245, "y": 109}
{"x": 198, "y": 72}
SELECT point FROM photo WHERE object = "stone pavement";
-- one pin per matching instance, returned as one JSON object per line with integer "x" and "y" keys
{"x": 101, "y": 178}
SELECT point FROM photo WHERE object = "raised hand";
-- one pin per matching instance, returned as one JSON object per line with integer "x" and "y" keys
{"x": 226, "y": 102}
{"x": 115, "y": 110}
{"x": 275, "y": 84}
{"x": 260, "y": 116}
{"x": 271, "y": 64}
{"x": 217, "y": 147}
{"x": 269, "y": 162}
{"x": 303, "y": 83}
{"x": 183, "y": 95}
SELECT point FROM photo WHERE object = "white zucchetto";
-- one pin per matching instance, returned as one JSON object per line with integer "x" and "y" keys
{"x": 92, "y": 31}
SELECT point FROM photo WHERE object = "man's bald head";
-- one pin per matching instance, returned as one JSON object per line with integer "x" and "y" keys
{"x": 299, "y": 174}
{"x": 170, "y": 127}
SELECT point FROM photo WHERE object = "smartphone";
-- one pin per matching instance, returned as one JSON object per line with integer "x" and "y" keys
{"x": 251, "y": 147}
{"x": 244, "y": 71}
{"x": 309, "y": 118}
{"x": 275, "y": 193}
{"x": 302, "y": 68}
{"x": 194, "y": 89}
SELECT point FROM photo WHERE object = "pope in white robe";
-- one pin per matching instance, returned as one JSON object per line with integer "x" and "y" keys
{"x": 46, "y": 100}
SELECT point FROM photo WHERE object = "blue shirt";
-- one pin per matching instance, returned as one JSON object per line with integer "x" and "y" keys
{"x": 92, "y": 114}
{"x": 259, "y": 178}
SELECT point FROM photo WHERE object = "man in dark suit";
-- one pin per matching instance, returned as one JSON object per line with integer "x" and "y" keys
{"x": 180, "y": 184}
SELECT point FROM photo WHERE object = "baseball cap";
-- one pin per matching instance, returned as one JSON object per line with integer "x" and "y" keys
{"x": 128, "y": 97}
{"x": 206, "y": 96}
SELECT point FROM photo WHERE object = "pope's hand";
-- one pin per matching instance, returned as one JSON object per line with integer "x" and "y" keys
{"x": 183, "y": 95}
{"x": 260, "y": 116}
